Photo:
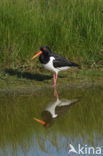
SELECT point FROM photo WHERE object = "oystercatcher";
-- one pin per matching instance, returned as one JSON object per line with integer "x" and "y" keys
{"x": 56, "y": 109}
{"x": 53, "y": 62}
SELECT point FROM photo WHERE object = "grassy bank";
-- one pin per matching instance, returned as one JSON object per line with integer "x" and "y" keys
{"x": 17, "y": 79}
{"x": 73, "y": 29}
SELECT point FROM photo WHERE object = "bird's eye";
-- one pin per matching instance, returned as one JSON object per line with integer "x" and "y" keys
{"x": 44, "y": 48}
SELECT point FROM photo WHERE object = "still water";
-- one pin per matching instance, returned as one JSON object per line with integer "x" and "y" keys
{"x": 72, "y": 116}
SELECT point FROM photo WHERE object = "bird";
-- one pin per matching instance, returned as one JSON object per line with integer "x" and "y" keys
{"x": 53, "y": 62}
{"x": 55, "y": 109}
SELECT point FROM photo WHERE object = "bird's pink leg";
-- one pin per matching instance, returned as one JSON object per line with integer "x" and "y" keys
{"x": 55, "y": 79}
{"x": 56, "y": 76}
{"x": 55, "y": 93}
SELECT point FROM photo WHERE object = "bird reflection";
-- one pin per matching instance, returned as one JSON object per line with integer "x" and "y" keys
{"x": 55, "y": 109}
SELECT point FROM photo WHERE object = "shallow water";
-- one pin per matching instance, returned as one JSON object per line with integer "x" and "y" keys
{"x": 71, "y": 115}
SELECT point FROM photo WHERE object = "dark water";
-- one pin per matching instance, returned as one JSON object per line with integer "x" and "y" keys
{"x": 70, "y": 116}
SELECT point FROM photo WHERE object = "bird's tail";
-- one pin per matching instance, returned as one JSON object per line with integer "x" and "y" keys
{"x": 75, "y": 65}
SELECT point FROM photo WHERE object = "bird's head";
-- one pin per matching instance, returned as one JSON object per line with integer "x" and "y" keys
{"x": 43, "y": 50}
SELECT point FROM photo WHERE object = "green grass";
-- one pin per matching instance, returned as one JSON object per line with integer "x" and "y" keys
{"x": 72, "y": 28}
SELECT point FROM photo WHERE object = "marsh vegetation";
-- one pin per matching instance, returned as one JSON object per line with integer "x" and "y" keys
{"x": 73, "y": 29}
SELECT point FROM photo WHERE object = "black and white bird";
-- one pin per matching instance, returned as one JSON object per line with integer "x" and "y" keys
{"x": 56, "y": 109}
{"x": 53, "y": 62}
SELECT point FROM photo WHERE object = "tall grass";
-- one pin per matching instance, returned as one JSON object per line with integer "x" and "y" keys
{"x": 72, "y": 28}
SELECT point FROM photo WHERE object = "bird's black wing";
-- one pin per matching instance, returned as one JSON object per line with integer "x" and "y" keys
{"x": 62, "y": 62}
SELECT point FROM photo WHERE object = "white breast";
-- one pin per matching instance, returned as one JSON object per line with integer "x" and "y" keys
{"x": 50, "y": 66}
{"x": 51, "y": 108}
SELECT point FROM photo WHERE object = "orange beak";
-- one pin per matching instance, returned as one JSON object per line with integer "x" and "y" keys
{"x": 39, "y": 53}
{"x": 40, "y": 121}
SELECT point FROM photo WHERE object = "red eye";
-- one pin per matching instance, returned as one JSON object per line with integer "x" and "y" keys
{"x": 44, "y": 48}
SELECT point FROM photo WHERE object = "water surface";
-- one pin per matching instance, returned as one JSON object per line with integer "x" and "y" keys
{"x": 72, "y": 116}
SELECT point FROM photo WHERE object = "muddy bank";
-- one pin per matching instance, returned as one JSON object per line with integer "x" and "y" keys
{"x": 31, "y": 90}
